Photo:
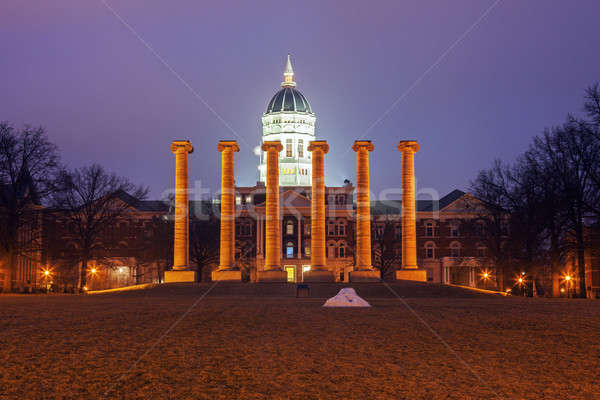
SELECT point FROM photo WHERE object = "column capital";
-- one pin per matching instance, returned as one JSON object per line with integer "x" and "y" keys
{"x": 408, "y": 145}
{"x": 271, "y": 145}
{"x": 226, "y": 144}
{"x": 180, "y": 146}
{"x": 318, "y": 144}
{"x": 362, "y": 144}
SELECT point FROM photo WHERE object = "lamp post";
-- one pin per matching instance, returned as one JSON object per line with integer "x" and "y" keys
{"x": 568, "y": 280}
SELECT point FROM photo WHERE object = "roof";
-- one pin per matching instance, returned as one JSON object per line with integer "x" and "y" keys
{"x": 384, "y": 207}
{"x": 288, "y": 99}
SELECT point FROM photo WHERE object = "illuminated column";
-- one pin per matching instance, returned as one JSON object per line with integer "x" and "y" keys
{"x": 181, "y": 271}
{"x": 363, "y": 271}
{"x": 227, "y": 271}
{"x": 409, "y": 270}
{"x": 318, "y": 269}
{"x": 272, "y": 269}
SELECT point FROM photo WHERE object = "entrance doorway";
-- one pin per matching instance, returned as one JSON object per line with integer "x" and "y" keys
{"x": 291, "y": 273}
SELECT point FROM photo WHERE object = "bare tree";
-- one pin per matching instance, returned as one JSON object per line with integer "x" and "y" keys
{"x": 92, "y": 201}
{"x": 386, "y": 258}
{"x": 28, "y": 165}
{"x": 204, "y": 243}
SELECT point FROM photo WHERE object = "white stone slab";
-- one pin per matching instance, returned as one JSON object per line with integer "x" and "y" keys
{"x": 346, "y": 297}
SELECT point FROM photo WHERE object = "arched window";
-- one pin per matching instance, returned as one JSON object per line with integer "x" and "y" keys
{"x": 342, "y": 251}
{"x": 331, "y": 250}
{"x": 454, "y": 249}
{"x": 289, "y": 228}
{"x": 429, "y": 250}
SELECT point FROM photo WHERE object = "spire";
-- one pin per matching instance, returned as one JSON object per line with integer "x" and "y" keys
{"x": 288, "y": 74}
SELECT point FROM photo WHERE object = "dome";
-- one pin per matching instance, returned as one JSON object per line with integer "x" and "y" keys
{"x": 288, "y": 99}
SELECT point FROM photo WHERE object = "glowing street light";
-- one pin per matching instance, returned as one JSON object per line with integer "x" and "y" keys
{"x": 46, "y": 273}
{"x": 93, "y": 270}
{"x": 520, "y": 280}
{"x": 485, "y": 275}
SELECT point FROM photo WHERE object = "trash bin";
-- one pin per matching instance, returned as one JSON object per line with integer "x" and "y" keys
{"x": 302, "y": 290}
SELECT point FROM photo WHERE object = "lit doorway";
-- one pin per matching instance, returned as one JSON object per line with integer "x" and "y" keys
{"x": 291, "y": 273}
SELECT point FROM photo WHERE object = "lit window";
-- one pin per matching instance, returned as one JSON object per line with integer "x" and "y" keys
{"x": 248, "y": 199}
{"x": 238, "y": 200}
{"x": 307, "y": 250}
{"x": 289, "y": 228}
{"x": 289, "y": 250}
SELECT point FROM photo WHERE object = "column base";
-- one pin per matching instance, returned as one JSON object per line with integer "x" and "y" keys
{"x": 318, "y": 276}
{"x": 419, "y": 275}
{"x": 364, "y": 275}
{"x": 227, "y": 275}
{"x": 272, "y": 276}
{"x": 179, "y": 275}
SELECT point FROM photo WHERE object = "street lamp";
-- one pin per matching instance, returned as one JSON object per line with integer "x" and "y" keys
{"x": 568, "y": 280}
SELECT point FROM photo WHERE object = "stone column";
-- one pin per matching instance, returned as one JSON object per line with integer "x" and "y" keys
{"x": 409, "y": 270}
{"x": 181, "y": 271}
{"x": 272, "y": 269}
{"x": 227, "y": 270}
{"x": 363, "y": 270}
{"x": 318, "y": 269}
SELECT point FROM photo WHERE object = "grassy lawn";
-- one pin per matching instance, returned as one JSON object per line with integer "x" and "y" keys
{"x": 257, "y": 341}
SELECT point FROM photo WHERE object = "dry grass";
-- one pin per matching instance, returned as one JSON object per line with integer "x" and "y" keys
{"x": 257, "y": 342}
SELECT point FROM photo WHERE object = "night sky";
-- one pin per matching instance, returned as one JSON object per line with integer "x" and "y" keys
{"x": 470, "y": 80}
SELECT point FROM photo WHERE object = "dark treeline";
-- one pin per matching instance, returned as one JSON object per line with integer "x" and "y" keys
{"x": 32, "y": 180}
{"x": 543, "y": 209}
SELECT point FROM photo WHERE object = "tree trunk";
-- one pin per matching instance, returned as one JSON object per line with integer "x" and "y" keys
{"x": 555, "y": 266}
{"x": 581, "y": 261}
{"x": 83, "y": 274}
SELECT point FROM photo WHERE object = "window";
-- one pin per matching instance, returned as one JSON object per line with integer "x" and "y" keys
{"x": 430, "y": 250}
{"x": 288, "y": 148}
{"x": 238, "y": 200}
{"x": 307, "y": 251}
{"x": 454, "y": 230}
{"x": 341, "y": 251}
{"x": 289, "y": 250}
{"x": 289, "y": 228}
{"x": 455, "y": 249}
{"x": 331, "y": 250}
{"x": 341, "y": 229}
{"x": 429, "y": 229}
{"x": 248, "y": 199}
{"x": 307, "y": 228}
{"x": 481, "y": 251}
{"x": 300, "y": 148}
{"x": 331, "y": 228}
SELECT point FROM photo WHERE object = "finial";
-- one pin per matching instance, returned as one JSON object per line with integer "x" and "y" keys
{"x": 288, "y": 74}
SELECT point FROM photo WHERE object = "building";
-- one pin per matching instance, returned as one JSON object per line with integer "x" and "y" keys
{"x": 447, "y": 253}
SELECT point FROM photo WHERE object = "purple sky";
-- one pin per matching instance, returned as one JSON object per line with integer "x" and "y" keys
{"x": 73, "y": 67}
